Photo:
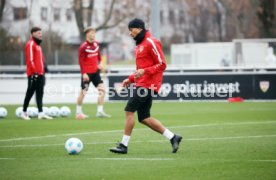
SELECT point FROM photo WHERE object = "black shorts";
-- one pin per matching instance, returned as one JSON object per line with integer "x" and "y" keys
{"x": 95, "y": 78}
{"x": 140, "y": 101}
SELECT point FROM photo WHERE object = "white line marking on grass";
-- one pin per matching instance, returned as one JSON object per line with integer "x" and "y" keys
{"x": 142, "y": 129}
{"x": 133, "y": 159}
{"x": 223, "y": 124}
{"x": 233, "y": 137}
{"x": 215, "y": 138}
{"x": 268, "y": 160}
{"x": 47, "y": 145}
{"x": 58, "y": 135}
{"x": 219, "y": 138}
{"x": 152, "y": 141}
{"x": 30, "y": 145}
{"x": 7, "y": 158}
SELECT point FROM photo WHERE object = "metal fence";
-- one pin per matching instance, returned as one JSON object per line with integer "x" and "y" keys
{"x": 58, "y": 57}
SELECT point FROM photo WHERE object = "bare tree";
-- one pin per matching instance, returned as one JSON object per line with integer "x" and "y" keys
{"x": 235, "y": 15}
{"x": 90, "y": 12}
{"x": 220, "y": 17}
{"x": 200, "y": 24}
{"x": 266, "y": 14}
{"x": 79, "y": 9}
{"x": 2, "y": 6}
{"x": 105, "y": 25}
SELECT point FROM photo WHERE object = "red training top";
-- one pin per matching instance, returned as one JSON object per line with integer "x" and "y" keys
{"x": 34, "y": 58}
{"x": 89, "y": 57}
{"x": 150, "y": 57}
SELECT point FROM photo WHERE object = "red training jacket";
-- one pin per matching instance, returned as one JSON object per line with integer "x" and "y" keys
{"x": 150, "y": 57}
{"x": 89, "y": 57}
{"x": 34, "y": 58}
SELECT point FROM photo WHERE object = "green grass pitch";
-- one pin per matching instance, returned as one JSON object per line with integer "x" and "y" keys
{"x": 220, "y": 141}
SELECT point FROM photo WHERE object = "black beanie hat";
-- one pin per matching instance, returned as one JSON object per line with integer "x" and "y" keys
{"x": 136, "y": 23}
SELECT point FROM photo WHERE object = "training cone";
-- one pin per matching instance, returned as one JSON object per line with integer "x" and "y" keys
{"x": 235, "y": 99}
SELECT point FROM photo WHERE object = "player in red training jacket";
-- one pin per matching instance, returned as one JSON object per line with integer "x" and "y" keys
{"x": 35, "y": 72}
{"x": 89, "y": 61}
{"x": 150, "y": 64}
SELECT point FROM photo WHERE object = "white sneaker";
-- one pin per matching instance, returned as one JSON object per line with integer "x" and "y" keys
{"x": 44, "y": 116}
{"x": 102, "y": 115}
{"x": 25, "y": 116}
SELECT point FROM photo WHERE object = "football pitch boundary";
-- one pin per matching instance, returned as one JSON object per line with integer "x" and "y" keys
{"x": 157, "y": 159}
{"x": 152, "y": 141}
{"x": 141, "y": 129}
{"x": 132, "y": 159}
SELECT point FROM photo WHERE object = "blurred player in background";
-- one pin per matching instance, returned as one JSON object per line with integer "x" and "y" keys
{"x": 36, "y": 73}
{"x": 89, "y": 60}
{"x": 150, "y": 64}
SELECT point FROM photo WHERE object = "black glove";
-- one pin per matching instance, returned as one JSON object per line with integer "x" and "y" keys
{"x": 35, "y": 77}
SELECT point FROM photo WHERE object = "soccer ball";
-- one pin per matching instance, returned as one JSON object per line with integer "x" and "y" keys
{"x": 73, "y": 146}
{"x": 18, "y": 112}
{"x": 46, "y": 111}
{"x": 3, "y": 112}
{"x": 65, "y": 111}
{"x": 32, "y": 111}
{"x": 54, "y": 111}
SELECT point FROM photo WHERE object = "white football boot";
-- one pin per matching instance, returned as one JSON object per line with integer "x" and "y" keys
{"x": 102, "y": 114}
{"x": 25, "y": 116}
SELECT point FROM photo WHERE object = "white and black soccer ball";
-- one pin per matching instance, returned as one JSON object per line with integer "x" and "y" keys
{"x": 3, "y": 112}
{"x": 73, "y": 146}
{"x": 54, "y": 111}
{"x": 18, "y": 112}
{"x": 32, "y": 111}
{"x": 46, "y": 111}
{"x": 65, "y": 111}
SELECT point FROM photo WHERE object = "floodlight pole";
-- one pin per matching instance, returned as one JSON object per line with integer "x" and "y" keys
{"x": 155, "y": 18}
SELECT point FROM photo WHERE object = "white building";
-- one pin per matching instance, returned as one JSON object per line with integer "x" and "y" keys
{"x": 58, "y": 16}
{"x": 55, "y": 15}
